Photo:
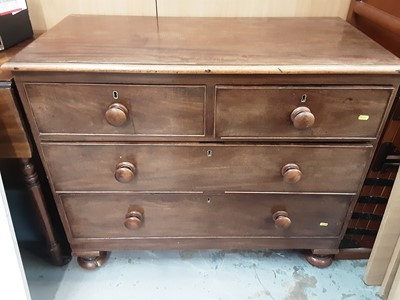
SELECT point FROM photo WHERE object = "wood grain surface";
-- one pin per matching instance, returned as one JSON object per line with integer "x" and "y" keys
{"x": 102, "y": 216}
{"x": 152, "y": 110}
{"x": 211, "y": 167}
{"x": 13, "y": 139}
{"x": 260, "y": 112}
{"x": 205, "y": 45}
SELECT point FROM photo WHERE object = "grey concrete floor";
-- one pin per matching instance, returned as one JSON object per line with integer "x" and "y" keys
{"x": 195, "y": 275}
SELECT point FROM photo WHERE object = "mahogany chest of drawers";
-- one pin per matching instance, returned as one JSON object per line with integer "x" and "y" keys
{"x": 205, "y": 133}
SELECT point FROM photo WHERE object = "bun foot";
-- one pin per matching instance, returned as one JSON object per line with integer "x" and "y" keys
{"x": 319, "y": 261}
{"x": 93, "y": 262}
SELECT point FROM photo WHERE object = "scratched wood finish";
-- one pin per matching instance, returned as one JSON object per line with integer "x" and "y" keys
{"x": 340, "y": 112}
{"x": 175, "y": 175}
{"x": 151, "y": 110}
{"x": 270, "y": 45}
{"x": 102, "y": 216}
{"x": 188, "y": 167}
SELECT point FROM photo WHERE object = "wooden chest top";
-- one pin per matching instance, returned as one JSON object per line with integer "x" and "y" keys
{"x": 205, "y": 45}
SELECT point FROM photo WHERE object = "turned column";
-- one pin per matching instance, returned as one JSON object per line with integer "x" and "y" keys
{"x": 35, "y": 190}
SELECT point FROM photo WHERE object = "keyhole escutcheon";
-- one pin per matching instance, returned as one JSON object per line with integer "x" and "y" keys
{"x": 115, "y": 95}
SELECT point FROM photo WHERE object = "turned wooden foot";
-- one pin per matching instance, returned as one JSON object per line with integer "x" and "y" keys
{"x": 319, "y": 261}
{"x": 93, "y": 262}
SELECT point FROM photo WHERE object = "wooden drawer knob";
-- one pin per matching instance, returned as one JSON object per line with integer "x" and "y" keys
{"x": 291, "y": 173}
{"x": 281, "y": 219}
{"x": 133, "y": 220}
{"x": 124, "y": 172}
{"x": 302, "y": 117}
{"x": 116, "y": 114}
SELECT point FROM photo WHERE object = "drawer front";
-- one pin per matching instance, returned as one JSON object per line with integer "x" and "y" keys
{"x": 219, "y": 168}
{"x": 265, "y": 112}
{"x": 117, "y": 109}
{"x": 108, "y": 216}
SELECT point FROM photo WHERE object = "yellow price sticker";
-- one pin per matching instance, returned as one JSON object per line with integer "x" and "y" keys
{"x": 363, "y": 117}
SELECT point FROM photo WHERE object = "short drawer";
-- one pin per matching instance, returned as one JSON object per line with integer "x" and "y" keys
{"x": 129, "y": 216}
{"x": 102, "y": 109}
{"x": 284, "y": 112}
{"x": 211, "y": 167}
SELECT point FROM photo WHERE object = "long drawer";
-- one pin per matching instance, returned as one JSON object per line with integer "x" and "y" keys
{"x": 176, "y": 215}
{"x": 106, "y": 109}
{"x": 201, "y": 167}
{"x": 287, "y": 112}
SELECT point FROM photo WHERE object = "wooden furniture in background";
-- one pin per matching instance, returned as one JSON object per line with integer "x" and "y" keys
{"x": 13, "y": 139}
{"x": 380, "y": 20}
{"x": 14, "y": 143}
{"x": 183, "y": 136}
